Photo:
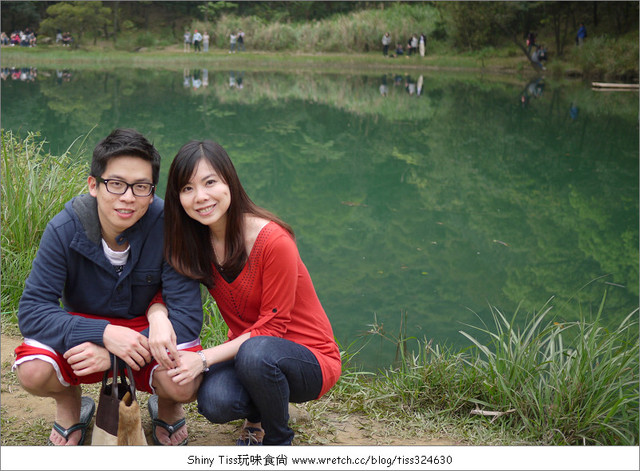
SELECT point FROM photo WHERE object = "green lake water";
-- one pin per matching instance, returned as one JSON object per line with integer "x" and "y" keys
{"x": 427, "y": 197}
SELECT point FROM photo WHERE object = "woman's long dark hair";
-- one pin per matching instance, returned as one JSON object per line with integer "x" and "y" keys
{"x": 187, "y": 243}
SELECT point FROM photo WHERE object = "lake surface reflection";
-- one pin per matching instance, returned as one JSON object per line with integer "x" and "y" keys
{"x": 430, "y": 196}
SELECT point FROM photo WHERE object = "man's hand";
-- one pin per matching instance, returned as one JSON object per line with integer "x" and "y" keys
{"x": 162, "y": 337}
{"x": 88, "y": 358}
{"x": 127, "y": 344}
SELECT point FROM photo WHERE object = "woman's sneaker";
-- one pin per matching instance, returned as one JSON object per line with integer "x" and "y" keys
{"x": 250, "y": 436}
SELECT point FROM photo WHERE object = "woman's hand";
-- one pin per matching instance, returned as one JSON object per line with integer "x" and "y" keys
{"x": 162, "y": 337}
{"x": 189, "y": 368}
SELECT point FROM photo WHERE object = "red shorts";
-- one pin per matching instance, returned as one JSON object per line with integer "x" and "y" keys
{"x": 31, "y": 349}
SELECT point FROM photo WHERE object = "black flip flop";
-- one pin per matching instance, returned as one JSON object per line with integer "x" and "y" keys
{"x": 152, "y": 405}
{"x": 87, "y": 408}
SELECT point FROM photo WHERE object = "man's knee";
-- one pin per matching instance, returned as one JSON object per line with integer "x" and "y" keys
{"x": 166, "y": 388}
{"x": 36, "y": 376}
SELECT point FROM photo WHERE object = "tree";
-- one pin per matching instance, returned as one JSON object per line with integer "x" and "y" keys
{"x": 514, "y": 19}
{"x": 211, "y": 10}
{"x": 78, "y": 18}
{"x": 558, "y": 15}
{"x": 480, "y": 24}
{"x": 20, "y": 15}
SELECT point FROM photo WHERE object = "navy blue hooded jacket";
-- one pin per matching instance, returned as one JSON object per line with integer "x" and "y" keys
{"x": 71, "y": 268}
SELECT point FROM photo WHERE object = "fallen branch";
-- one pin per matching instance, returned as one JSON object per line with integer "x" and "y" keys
{"x": 491, "y": 413}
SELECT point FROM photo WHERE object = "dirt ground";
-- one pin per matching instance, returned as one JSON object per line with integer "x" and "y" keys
{"x": 26, "y": 419}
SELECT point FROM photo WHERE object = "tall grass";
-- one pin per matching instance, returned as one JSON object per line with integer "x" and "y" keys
{"x": 35, "y": 186}
{"x": 356, "y": 32}
{"x": 608, "y": 58}
{"x": 214, "y": 329}
{"x": 574, "y": 383}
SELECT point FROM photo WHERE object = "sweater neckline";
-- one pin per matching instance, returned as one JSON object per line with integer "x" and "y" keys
{"x": 261, "y": 237}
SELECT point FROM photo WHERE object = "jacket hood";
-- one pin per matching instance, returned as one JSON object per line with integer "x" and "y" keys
{"x": 85, "y": 208}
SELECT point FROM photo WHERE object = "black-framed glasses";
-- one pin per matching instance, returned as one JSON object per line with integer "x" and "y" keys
{"x": 118, "y": 187}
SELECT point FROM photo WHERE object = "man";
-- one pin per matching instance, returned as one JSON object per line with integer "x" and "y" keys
{"x": 582, "y": 34}
{"x": 187, "y": 41}
{"x": 386, "y": 40}
{"x": 197, "y": 39}
{"x": 233, "y": 39}
{"x": 241, "y": 40}
{"x": 98, "y": 266}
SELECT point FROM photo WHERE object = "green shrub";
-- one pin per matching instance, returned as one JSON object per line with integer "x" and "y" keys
{"x": 145, "y": 39}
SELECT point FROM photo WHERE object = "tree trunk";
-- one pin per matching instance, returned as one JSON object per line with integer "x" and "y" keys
{"x": 116, "y": 6}
{"x": 517, "y": 42}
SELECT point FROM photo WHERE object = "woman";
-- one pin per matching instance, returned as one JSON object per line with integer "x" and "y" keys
{"x": 205, "y": 41}
{"x": 281, "y": 347}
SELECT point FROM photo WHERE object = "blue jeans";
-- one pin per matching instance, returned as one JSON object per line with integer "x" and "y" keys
{"x": 267, "y": 374}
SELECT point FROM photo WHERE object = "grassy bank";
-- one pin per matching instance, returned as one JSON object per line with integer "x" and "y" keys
{"x": 544, "y": 383}
{"x": 602, "y": 59}
{"x": 172, "y": 58}
{"x": 547, "y": 383}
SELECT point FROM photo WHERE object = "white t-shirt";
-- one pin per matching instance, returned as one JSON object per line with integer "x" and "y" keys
{"x": 117, "y": 259}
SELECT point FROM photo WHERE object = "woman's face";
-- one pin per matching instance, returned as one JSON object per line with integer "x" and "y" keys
{"x": 206, "y": 197}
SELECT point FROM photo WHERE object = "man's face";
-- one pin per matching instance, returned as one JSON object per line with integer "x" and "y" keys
{"x": 119, "y": 212}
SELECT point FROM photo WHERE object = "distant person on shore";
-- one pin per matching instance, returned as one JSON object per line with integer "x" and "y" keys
{"x": 187, "y": 41}
{"x": 241, "y": 40}
{"x": 399, "y": 51}
{"x": 58, "y": 36}
{"x": 422, "y": 44}
{"x": 386, "y": 41}
{"x": 531, "y": 41}
{"x": 5, "y": 39}
{"x": 24, "y": 39}
{"x": 32, "y": 38}
{"x": 205, "y": 42}
{"x": 582, "y": 34}
{"x": 543, "y": 53}
{"x": 539, "y": 56}
{"x": 197, "y": 40}
{"x": 414, "y": 44}
{"x": 233, "y": 40}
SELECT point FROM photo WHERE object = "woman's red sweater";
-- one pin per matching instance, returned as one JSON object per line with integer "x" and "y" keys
{"x": 274, "y": 296}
